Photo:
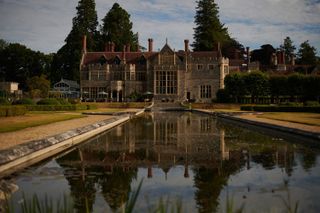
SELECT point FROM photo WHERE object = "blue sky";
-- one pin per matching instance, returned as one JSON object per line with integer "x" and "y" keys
{"x": 44, "y": 24}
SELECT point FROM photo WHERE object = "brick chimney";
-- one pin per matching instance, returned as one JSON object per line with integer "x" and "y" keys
{"x": 128, "y": 48}
{"x": 248, "y": 56}
{"x": 84, "y": 44}
{"x": 107, "y": 47}
{"x": 150, "y": 40}
{"x": 112, "y": 46}
{"x": 186, "y": 45}
{"x": 124, "y": 54}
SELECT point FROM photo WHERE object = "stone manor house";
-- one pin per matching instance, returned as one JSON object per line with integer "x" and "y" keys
{"x": 167, "y": 74}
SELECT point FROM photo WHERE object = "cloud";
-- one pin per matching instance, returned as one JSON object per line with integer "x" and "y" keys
{"x": 43, "y": 24}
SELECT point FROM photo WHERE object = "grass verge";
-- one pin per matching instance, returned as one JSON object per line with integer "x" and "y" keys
{"x": 301, "y": 118}
{"x": 33, "y": 119}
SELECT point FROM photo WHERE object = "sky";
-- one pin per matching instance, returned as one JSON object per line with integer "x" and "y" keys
{"x": 44, "y": 24}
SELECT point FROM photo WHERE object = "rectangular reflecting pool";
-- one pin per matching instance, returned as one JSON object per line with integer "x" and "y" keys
{"x": 186, "y": 159}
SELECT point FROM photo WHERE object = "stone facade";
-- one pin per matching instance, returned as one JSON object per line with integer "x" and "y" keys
{"x": 167, "y": 74}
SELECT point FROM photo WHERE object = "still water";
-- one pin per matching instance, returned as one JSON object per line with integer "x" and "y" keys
{"x": 186, "y": 158}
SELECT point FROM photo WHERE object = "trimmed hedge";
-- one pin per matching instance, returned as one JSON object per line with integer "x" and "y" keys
{"x": 60, "y": 107}
{"x": 24, "y": 101}
{"x": 49, "y": 101}
{"x": 266, "y": 108}
{"x": 7, "y": 111}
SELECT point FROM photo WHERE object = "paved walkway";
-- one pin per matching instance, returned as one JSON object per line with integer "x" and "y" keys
{"x": 10, "y": 139}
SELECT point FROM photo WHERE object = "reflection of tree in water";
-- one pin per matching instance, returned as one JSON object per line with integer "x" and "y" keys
{"x": 82, "y": 178}
{"x": 309, "y": 158}
{"x": 211, "y": 181}
{"x": 117, "y": 186}
{"x": 82, "y": 187}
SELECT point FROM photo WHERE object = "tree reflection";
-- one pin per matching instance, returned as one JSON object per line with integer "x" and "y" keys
{"x": 117, "y": 186}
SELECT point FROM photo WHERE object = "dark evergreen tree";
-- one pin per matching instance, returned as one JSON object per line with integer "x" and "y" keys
{"x": 117, "y": 28}
{"x": 66, "y": 61}
{"x": 288, "y": 48}
{"x": 263, "y": 55}
{"x": 209, "y": 30}
{"x": 307, "y": 54}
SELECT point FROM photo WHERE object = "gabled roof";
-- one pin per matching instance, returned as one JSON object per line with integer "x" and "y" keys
{"x": 135, "y": 57}
{"x": 131, "y": 57}
{"x": 71, "y": 83}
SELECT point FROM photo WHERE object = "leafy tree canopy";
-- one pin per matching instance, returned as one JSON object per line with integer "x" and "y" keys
{"x": 117, "y": 28}
{"x": 38, "y": 86}
{"x": 307, "y": 54}
{"x": 18, "y": 63}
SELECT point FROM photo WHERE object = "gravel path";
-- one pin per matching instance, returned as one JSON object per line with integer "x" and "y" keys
{"x": 11, "y": 139}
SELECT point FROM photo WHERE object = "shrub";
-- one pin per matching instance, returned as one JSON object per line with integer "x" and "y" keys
{"x": 48, "y": 101}
{"x": 4, "y": 101}
{"x": 223, "y": 96}
{"x": 51, "y": 107}
{"x": 268, "y": 108}
{"x": 6, "y": 111}
{"x": 246, "y": 108}
{"x": 24, "y": 101}
{"x": 63, "y": 101}
{"x": 74, "y": 101}
{"x": 311, "y": 103}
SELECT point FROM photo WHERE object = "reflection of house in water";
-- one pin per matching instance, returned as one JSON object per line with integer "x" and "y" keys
{"x": 160, "y": 141}
{"x": 209, "y": 151}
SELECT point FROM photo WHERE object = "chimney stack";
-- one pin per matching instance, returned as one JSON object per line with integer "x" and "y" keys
{"x": 124, "y": 54}
{"x": 186, "y": 45}
{"x": 84, "y": 44}
{"x": 248, "y": 55}
{"x": 112, "y": 47}
{"x": 128, "y": 48}
{"x": 150, "y": 40}
{"x": 107, "y": 47}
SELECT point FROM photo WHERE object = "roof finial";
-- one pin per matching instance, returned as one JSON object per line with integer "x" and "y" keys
{"x": 166, "y": 40}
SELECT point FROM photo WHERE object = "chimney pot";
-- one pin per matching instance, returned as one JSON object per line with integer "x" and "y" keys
{"x": 150, "y": 40}
{"x": 186, "y": 45}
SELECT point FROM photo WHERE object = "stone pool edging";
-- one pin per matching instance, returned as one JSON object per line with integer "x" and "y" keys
{"x": 293, "y": 131}
{"x": 31, "y": 152}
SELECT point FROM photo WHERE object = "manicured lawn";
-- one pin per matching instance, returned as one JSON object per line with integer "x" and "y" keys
{"x": 295, "y": 117}
{"x": 33, "y": 119}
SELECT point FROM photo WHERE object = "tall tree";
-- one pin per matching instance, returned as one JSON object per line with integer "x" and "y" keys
{"x": 3, "y": 44}
{"x": 288, "y": 48}
{"x": 117, "y": 28}
{"x": 307, "y": 54}
{"x": 209, "y": 30}
{"x": 66, "y": 61}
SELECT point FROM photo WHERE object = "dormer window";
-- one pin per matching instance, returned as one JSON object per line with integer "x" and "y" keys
{"x": 117, "y": 60}
{"x": 102, "y": 60}
{"x": 142, "y": 61}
